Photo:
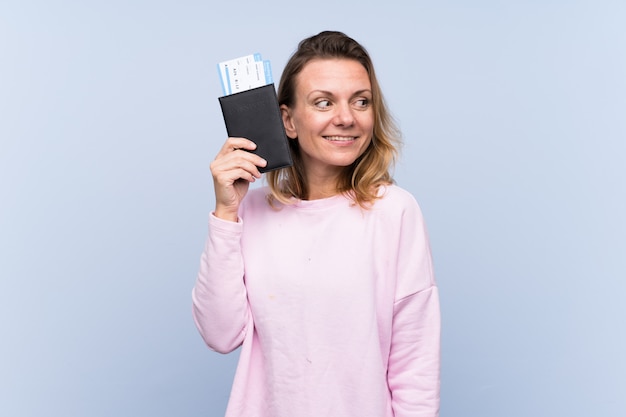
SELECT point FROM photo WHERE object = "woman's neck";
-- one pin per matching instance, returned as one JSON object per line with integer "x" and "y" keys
{"x": 322, "y": 186}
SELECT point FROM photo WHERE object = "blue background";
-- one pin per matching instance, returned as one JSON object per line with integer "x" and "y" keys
{"x": 513, "y": 115}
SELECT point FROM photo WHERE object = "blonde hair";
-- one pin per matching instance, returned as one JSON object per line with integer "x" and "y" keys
{"x": 359, "y": 181}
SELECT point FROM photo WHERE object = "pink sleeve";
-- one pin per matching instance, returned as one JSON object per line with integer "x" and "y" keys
{"x": 414, "y": 358}
{"x": 220, "y": 307}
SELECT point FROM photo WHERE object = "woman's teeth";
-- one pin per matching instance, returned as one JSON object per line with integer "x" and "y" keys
{"x": 340, "y": 138}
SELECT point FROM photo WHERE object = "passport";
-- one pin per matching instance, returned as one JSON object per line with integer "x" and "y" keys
{"x": 254, "y": 114}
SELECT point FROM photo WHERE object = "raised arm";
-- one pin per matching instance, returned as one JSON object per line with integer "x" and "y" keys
{"x": 220, "y": 308}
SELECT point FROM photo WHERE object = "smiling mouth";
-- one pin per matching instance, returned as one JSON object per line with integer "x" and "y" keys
{"x": 340, "y": 138}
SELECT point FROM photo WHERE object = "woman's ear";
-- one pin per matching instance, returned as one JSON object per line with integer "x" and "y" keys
{"x": 290, "y": 128}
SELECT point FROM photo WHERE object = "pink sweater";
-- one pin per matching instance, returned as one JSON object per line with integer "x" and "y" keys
{"x": 336, "y": 307}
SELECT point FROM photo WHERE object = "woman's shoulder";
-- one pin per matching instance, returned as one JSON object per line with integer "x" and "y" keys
{"x": 393, "y": 195}
{"x": 397, "y": 202}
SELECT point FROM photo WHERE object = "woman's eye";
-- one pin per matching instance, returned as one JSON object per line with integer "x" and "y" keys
{"x": 323, "y": 103}
{"x": 362, "y": 102}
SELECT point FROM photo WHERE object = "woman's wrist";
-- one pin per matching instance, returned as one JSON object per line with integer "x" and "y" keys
{"x": 226, "y": 214}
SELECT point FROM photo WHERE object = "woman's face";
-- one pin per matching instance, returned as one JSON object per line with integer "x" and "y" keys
{"x": 332, "y": 116}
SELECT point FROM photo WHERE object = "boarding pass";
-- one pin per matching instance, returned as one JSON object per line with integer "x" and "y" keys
{"x": 244, "y": 73}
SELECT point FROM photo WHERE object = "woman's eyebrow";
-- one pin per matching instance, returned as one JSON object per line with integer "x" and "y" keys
{"x": 324, "y": 92}
{"x": 366, "y": 90}
{"x": 330, "y": 93}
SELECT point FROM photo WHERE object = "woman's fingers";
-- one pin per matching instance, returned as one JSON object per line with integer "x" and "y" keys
{"x": 233, "y": 169}
{"x": 237, "y": 164}
{"x": 234, "y": 155}
{"x": 233, "y": 144}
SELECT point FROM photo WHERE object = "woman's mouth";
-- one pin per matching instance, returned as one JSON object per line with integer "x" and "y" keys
{"x": 340, "y": 138}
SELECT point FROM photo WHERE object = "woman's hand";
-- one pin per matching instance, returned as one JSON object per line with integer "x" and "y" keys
{"x": 233, "y": 169}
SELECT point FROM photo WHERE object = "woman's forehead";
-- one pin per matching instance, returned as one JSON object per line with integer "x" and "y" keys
{"x": 333, "y": 74}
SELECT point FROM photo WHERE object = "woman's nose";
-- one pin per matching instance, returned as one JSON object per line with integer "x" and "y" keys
{"x": 344, "y": 116}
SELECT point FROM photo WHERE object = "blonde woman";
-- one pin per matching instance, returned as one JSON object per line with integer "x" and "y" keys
{"x": 324, "y": 276}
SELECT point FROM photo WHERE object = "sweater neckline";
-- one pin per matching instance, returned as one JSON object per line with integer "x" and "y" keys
{"x": 321, "y": 203}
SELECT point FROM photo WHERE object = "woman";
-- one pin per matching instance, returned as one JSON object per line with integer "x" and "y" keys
{"x": 324, "y": 277}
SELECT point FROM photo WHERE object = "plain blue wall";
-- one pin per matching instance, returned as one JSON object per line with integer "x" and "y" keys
{"x": 514, "y": 117}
